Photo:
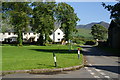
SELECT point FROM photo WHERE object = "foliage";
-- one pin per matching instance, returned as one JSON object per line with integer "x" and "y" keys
{"x": 114, "y": 10}
{"x": 19, "y": 13}
{"x": 98, "y": 31}
{"x": 41, "y": 16}
{"x": 103, "y": 43}
{"x": 65, "y": 14}
{"x": 6, "y": 26}
{"x": 43, "y": 20}
{"x": 77, "y": 41}
{"x": 90, "y": 42}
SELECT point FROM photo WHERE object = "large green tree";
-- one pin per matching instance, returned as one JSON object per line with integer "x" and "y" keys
{"x": 114, "y": 10}
{"x": 19, "y": 13}
{"x": 43, "y": 19}
{"x": 6, "y": 26}
{"x": 98, "y": 32}
{"x": 65, "y": 14}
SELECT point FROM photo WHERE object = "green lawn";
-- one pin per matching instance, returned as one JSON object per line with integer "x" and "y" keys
{"x": 37, "y": 57}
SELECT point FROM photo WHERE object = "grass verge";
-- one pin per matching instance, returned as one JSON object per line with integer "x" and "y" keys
{"x": 38, "y": 57}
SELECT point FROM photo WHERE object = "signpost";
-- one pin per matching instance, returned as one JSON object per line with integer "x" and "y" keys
{"x": 78, "y": 53}
{"x": 55, "y": 59}
{"x": 70, "y": 44}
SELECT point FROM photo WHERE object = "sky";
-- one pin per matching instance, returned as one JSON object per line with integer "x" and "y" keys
{"x": 91, "y": 12}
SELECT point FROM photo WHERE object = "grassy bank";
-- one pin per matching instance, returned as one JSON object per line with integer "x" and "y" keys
{"x": 82, "y": 32}
{"x": 38, "y": 57}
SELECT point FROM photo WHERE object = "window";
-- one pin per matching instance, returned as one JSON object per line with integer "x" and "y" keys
{"x": 29, "y": 33}
{"x": 25, "y": 33}
{"x": 14, "y": 33}
{"x": 9, "y": 33}
{"x": 58, "y": 33}
{"x": 58, "y": 39}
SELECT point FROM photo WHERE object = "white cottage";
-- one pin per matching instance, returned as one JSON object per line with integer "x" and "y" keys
{"x": 13, "y": 36}
{"x": 57, "y": 35}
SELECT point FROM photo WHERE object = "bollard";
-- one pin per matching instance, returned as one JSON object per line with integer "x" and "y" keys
{"x": 55, "y": 62}
{"x": 78, "y": 53}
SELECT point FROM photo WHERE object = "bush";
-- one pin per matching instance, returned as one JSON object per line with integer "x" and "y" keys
{"x": 79, "y": 40}
{"x": 90, "y": 42}
{"x": 103, "y": 43}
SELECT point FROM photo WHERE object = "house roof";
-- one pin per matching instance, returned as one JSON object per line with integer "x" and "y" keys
{"x": 57, "y": 29}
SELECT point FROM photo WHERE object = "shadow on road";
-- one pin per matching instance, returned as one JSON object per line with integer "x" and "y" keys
{"x": 94, "y": 51}
{"x": 114, "y": 69}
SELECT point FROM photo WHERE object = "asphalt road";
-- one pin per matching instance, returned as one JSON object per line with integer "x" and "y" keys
{"x": 100, "y": 65}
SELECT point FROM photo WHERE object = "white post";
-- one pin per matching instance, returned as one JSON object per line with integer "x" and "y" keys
{"x": 55, "y": 61}
{"x": 78, "y": 53}
{"x": 69, "y": 45}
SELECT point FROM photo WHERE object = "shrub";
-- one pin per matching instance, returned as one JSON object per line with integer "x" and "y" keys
{"x": 103, "y": 43}
{"x": 90, "y": 42}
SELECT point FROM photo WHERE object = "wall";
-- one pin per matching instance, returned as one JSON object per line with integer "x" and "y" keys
{"x": 58, "y": 34}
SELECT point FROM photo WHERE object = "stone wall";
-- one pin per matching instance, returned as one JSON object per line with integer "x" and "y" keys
{"x": 114, "y": 35}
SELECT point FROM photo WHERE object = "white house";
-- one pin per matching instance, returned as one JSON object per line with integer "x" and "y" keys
{"x": 13, "y": 36}
{"x": 4, "y": 36}
{"x": 57, "y": 36}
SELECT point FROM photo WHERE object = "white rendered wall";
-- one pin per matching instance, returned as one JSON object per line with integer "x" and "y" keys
{"x": 25, "y": 36}
{"x": 58, "y": 34}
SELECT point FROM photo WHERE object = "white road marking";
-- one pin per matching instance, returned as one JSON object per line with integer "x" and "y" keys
{"x": 102, "y": 73}
{"x": 106, "y": 76}
{"x": 98, "y": 70}
{"x": 96, "y": 77}
{"x": 92, "y": 73}
{"x": 90, "y": 70}
{"x": 90, "y": 64}
{"x": 86, "y": 67}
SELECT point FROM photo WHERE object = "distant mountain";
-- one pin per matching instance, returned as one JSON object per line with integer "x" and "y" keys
{"x": 88, "y": 26}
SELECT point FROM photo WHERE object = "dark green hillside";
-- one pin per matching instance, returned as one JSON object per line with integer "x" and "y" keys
{"x": 82, "y": 32}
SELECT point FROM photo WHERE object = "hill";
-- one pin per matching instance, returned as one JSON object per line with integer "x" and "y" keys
{"x": 82, "y": 32}
{"x": 88, "y": 26}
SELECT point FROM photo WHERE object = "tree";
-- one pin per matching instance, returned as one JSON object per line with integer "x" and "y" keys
{"x": 65, "y": 14}
{"x": 43, "y": 20}
{"x": 19, "y": 13}
{"x": 6, "y": 26}
{"x": 114, "y": 10}
{"x": 98, "y": 32}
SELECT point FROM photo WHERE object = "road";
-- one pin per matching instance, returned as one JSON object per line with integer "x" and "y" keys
{"x": 100, "y": 65}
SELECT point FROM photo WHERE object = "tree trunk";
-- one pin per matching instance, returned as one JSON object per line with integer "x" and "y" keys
{"x": 46, "y": 38}
{"x": 41, "y": 40}
{"x": 19, "y": 39}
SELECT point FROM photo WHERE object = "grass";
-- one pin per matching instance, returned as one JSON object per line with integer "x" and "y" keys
{"x": 82, "y": 32}
{"x": 38, "y": 57}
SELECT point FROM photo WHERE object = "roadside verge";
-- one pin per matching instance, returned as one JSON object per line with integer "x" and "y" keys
{"x": 47, "y": 71}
